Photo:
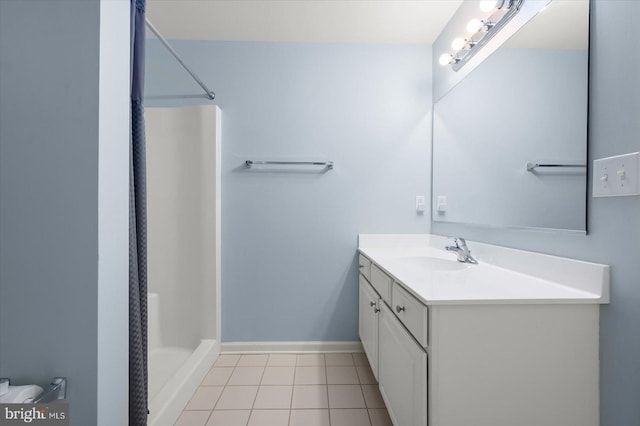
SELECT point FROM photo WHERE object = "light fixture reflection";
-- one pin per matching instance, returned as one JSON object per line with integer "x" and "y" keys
{"x": 497, "y": 13}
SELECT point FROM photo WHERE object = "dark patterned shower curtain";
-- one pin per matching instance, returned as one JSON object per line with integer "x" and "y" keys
{"x": 138, "y": 377}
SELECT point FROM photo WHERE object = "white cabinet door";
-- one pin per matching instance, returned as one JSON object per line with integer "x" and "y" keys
{"x": 402, "y": 368}
{"x": 368, "y": 322}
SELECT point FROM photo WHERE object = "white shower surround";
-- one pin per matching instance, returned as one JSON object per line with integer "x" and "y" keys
{"x": 183, "y": 199}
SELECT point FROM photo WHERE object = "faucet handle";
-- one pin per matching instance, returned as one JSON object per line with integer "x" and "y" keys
{"x": 459, "y": 242}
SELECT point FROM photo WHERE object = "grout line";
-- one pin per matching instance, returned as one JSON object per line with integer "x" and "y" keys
{"x": 326, "y": 378}
{"x": 365, "y": 404}
{"x": 258, "y": 390}
{"x": 225, "y": 386}
{"x": 210, "y": 414}
{"x": 293, "y": 389}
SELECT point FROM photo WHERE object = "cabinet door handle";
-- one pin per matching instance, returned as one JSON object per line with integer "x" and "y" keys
{"x": 376, "y": 310}
{"x": 372, "y": 303}
{"x": 361, "y": 266}
{"x": 399, "y": 308}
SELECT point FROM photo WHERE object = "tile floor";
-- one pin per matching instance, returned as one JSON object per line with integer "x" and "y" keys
{"x": 326, "y": 389}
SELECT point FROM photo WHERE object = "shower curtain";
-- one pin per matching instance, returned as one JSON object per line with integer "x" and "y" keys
{"x": 138, "y": 377}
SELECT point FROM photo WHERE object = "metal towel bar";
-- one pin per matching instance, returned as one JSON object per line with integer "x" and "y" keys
{"x": 327, "y": 164}
{"x": 533, "y": 166}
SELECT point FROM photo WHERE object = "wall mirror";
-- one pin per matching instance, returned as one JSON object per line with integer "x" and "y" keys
{"x": 510, "y": 139}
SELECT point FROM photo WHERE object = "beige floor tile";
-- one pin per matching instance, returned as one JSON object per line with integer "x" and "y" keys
{"x": 339, "y": 359}
{"x": 346, "y": 396}
{"x": 380, "y": 418}
{"x": 278, "y": 375}
{"x": 310, "y": 359}
{"x": 360, "y": 358}
{"x": 193, "y": 418}
{"x": 253, "y": 360}
{"x": 237, "y": 398}
{"x": 309, "y": 418}
{"x": 282, "y": 360}
{"x": 269, "y": 418}
{"x": 310, "y": 396}
{"x": 342, "y": 376}
{"x": 372, "y": 396}
{"x": 227, "y": 360}
{"x": 243, "y": 376}
{"x": 272, "y": 397}
{"x": 349, "y": 418}
{"x": 204, "y": 398}
{"x": 229, "y": 418}
{"x": 217, "y": 376}
{"x": 313, "y": 375}
{"x": 366, "y": 375}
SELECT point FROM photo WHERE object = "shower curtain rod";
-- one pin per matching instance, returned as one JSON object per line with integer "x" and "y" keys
{"x": 210, "y": 93}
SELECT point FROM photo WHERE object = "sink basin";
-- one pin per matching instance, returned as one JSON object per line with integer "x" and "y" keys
{"x": 432, "y": 263}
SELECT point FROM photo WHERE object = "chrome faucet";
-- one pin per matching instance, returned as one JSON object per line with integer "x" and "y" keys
{"x": 462, "y": 251}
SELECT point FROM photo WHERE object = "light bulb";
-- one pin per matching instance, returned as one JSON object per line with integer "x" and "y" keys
{"x": 458, "y": 43}
{"x": 488, "y": 5}
{"x": 445, "y": 59}
{"x": 474, "y": 26}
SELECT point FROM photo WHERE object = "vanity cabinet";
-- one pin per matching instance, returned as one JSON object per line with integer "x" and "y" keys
{"x": 480, "y": 364}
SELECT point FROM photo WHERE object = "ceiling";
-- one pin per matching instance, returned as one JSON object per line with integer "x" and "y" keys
{"x": 340, "y": 21}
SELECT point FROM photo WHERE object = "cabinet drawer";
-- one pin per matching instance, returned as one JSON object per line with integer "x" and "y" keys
{"x": 411, "y": 312}
{"x": 365, "y": 267}
{"x": 381, "y": 282}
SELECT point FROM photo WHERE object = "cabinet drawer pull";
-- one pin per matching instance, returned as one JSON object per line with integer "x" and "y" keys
{"x": 399, "y": 308}
{"x": 361, "y": 266}
{"x": 372, "y": 303}
{"x": 376, "y": 310}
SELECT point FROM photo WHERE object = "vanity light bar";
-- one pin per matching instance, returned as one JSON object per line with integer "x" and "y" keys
{"x": 481, "y": 31}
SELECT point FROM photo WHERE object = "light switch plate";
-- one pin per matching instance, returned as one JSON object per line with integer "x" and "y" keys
{"x": 616, "y": 176}
{"x": 420, "y": 203}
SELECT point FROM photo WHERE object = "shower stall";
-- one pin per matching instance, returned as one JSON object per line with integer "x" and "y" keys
{"x": 183, "y": 209}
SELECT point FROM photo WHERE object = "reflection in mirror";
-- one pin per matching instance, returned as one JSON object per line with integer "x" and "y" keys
{"x": 526, "y": 103}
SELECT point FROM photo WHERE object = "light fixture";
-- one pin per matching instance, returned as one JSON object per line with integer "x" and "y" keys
{"x": 490, "y": 5}
{"x": 474, "y": 26}
{"x": 445, "y": 59}
{"x": 462, "y": 44}
{"x": 481, "y": 30}
{"x": 458, "y": 43}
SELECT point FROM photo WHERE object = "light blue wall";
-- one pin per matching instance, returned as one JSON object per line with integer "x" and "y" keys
{"x": 614, "y": 223}
{"x": 289, "y": 271}
{"x": 49, "y": 196}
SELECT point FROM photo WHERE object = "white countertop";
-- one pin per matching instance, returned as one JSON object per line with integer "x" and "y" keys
{"x": 503, "y": 275}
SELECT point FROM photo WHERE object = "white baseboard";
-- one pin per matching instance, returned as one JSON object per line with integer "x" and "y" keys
{"x": 289, "y": 347}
